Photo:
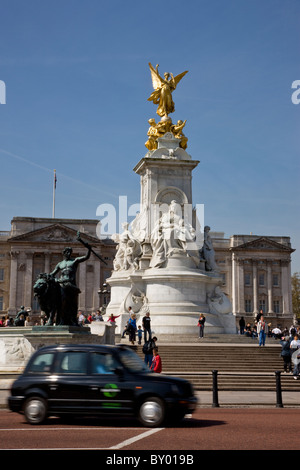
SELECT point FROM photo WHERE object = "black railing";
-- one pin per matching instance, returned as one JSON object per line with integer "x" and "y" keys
{"x": 215, "y": 390}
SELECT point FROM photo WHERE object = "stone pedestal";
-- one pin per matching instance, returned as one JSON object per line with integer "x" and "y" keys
{"x": 166, "y": 270}
{"x": 18, "y": 344}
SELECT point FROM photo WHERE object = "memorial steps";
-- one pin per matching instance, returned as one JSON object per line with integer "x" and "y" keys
{"x": 241, "y": 363}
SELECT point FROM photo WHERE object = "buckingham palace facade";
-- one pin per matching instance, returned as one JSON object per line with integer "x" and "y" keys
{"x": 256, "y": 273}
{"x": 35, "y": 245}
{"x": 256, "y": 270}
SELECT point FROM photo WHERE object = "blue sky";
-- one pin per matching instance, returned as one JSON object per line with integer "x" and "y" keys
{"x": 77, "y": 82}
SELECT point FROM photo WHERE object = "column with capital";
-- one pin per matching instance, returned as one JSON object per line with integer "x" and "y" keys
{"x": 82, "y": 286}
{"x": 47, "y": 267}
{"x": 28, "y": 280}
{"x": 12, "y": 309}
{"x": 234, "y": 284}
{"x": 241, "y": 286}
{"x": 255, "y": 294}
{"x": 285, "y": 286}
{"x": 270, "y": 287}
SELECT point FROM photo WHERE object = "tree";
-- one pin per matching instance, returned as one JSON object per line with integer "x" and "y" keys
{"x": 296, "y": 294}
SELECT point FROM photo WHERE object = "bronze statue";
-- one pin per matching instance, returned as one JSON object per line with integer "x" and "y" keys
{"x": 67, "y": 280}
{"x": 163, "y": 89}
{"x": 58, "y": 298}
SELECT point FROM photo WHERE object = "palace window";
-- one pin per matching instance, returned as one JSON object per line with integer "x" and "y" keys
{"x": 261, "y": 279}
{"x": 247, "y": 279}
{"x": 248, "y": 306}
{"x": 275, "y": 280}
{"x": 276, "y": 306}
{"x": 1, "y": 303}
{"x": 262, "y": 305}
{"x": 1, "y": 274}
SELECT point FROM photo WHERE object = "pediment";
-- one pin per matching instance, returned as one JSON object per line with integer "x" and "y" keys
{"x": 262, "y": 243}
{"x": 58, "y": 233}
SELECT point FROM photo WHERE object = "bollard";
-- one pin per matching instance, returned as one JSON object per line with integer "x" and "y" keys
{"x": 278, "y": 390}
{"x": 215, "y": 403}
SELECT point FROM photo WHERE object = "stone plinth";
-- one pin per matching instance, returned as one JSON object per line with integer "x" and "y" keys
{"x": 18, "y": 344}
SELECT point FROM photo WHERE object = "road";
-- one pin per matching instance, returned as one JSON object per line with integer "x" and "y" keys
{"x": 207, "y": 429}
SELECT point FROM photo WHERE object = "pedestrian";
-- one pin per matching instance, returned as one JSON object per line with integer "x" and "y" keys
{"x": 262, "y": 330}
{"x": 148, "y": 350}
{"x": 286, "y": 354}
{"x": 132, "y": 328}
{"x": 156, "y": 364}
{"x": 112, "y": 319}
{"x": 146, "y": 322}
{"x": 81, "y": 318}
{"x": 242, "y": 325}
{"x": 259, "y": 315}
{"x": 295, "y": 346}
{"x": 276, "y": 332}
{"x": 140, "y": 334}
{"x": 201, "y": 323}
{"x": 99, "y": 316}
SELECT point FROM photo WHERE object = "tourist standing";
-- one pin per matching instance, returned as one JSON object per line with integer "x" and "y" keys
{"x": 286, "y": 354}
{"x": 146, "y": 322}
{"x": 295, "y": 346}
{"x": 132, "y": 328}
{"x": 148, "y": 350}
{"x": 156, "y": 365}
{"x": 201, "y": 323}
{"x": 242, "y": 325}
{"x": 262, "y": 330}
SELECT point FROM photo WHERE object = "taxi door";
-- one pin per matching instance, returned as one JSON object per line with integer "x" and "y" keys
{"x": 109, "y": 392}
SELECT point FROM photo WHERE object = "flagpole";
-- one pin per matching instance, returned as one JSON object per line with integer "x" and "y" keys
{"x": 54, "y": 188}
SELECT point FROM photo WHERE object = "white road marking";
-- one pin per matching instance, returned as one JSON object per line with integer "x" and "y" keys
{"x": 127, "y": 442}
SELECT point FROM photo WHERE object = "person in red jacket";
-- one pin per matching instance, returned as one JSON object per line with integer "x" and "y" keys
{"x": 156, "y": 365}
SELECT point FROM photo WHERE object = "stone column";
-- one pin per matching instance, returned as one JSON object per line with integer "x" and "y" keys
{"x": 82, "y": 285}
{"x": 270, "y": 287}
{"x": 285, "y": 287}
{"x": 241, "y": 287}
{"x": 97, "y": 269}
{"x": 234, "y": 285}
{"x": 12, "y": 309}
{"x": 28, "y": 280}
{"x": 255, "y": 296}
{"x": 47, "y": 262}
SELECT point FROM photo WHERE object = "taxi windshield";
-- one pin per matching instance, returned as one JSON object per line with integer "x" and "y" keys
{"x": 131, "y": 361}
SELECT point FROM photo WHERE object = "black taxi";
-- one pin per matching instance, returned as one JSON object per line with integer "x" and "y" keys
{"x": 97, "y": 380}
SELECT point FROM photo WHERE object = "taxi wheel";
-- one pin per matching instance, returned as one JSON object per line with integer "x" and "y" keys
{"x": 152, "y": 412}
{"x": 35, "y": 410}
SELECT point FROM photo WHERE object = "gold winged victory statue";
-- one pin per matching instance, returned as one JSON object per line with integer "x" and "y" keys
{"x": 163, "y": 89}
{"x": 162, "y": 96}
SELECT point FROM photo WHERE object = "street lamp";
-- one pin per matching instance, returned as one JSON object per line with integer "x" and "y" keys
{"x": 104, "y": 295}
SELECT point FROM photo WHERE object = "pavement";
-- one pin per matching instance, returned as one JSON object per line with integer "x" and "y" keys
{"x": 247, "y": 399}
{"x": 230, "y": 399}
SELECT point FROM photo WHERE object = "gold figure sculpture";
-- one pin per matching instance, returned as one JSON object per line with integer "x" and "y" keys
{"x": 163, "y": 89}
{"x": 158, "y": 130}
{"x": 176, "y": 129}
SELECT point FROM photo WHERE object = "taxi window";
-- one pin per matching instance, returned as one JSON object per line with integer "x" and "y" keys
{"x": 132, "y": 361}
{"x": 41, "y": 364}
{"x": 72, "y": 362}
{"x": 102, "y": 363}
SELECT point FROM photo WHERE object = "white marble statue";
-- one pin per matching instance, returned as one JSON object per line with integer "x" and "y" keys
{"x": 128, "y": 251}
{"x": 170, "y": 235}
{"x": 218, "y": 302}
{"x": 208, "y": 251}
